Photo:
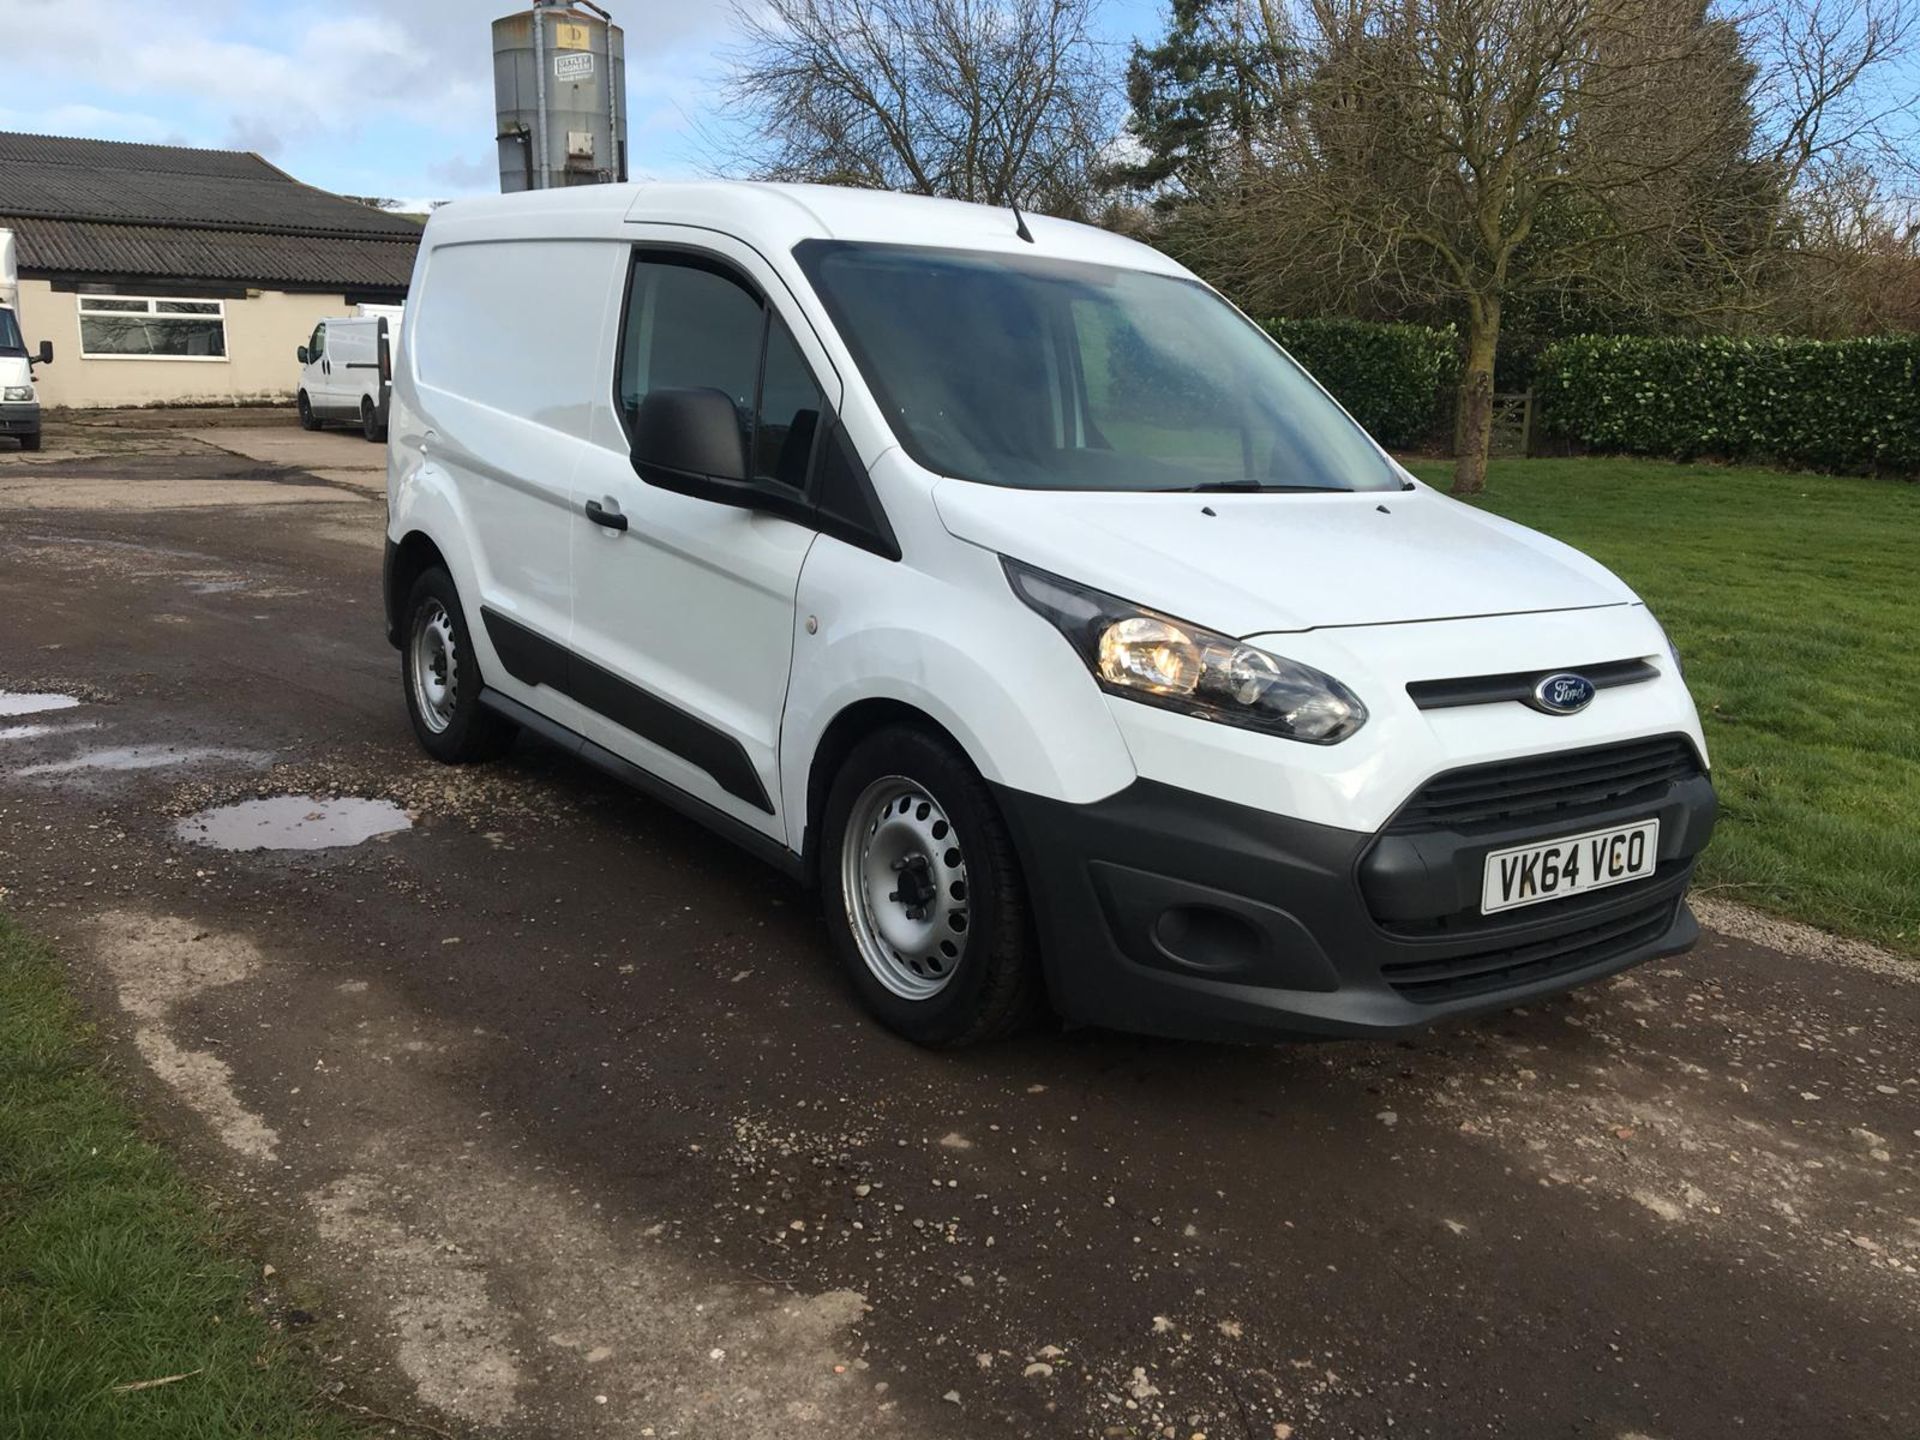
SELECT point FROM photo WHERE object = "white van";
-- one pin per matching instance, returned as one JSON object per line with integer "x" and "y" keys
{"x": 998, "y": 577}
{"x": 19, "y": 402}
{"x": 346, "y": 373}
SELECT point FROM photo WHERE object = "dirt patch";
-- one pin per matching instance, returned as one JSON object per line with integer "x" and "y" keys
{"x": 491, "y": 1273}
{"x": 122, "y": 758}
{"x": 1791, "y": 938}
{"x": 1792, "y": 1173}
{"x": 452, "y": 1340}
{"x": 34, "y": 493}
{"x": 156, "y": 962}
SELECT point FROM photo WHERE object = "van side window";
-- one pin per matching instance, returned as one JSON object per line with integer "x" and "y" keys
{"x": 789, "y": 412}
{"x": 317, "y": 346}
{"x": 690, "y": 326}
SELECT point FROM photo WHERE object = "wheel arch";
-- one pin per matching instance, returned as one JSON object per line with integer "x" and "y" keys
{"x": 407, "y": 560}
{"x": 846, "y": 730}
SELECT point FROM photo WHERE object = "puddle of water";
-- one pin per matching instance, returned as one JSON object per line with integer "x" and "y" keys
{"x": 34, "y": 732}
{"x": 215, "y": 587}
{"x": 16, "y": 704}
{"x": 143, "y": 757}
{"x": 293, "y": 822}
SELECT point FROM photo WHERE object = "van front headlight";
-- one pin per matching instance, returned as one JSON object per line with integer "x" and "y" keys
{"x": 1156, "y": 659}
{"x": 19, "y": 392}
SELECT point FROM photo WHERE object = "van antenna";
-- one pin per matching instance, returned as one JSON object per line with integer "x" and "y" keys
{"x": 1020, "y": 222}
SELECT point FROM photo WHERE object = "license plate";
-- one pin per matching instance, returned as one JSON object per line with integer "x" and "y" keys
{"x": 1530, "y": 874}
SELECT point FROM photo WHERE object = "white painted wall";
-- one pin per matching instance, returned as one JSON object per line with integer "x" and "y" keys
{"x": 263, "y": 331}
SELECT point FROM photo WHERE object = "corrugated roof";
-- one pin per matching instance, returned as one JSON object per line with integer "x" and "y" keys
{"x": 86, "y": 248}
{"x": 105, "y": 207}
{"x": 122, "y": 155}
{"x": 164, "y": 184}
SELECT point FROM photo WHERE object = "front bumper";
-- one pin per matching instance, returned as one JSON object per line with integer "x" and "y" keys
{"x": 17, "y": 418}
{"x": 1167, "y": 912}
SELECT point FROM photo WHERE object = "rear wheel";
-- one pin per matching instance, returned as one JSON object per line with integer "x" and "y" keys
{"x": 924, "y": 897}
{"x": 370, "y": 421}
{"x": 442, "y": 677}
{"x": 308, "y": 420}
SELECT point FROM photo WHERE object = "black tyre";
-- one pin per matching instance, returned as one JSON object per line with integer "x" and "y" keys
{"x": 308, "y": 420}
{"x": 923, "y": 893}
{"x": 30, "y": 442}
{"x": 441, "y": 676}
{"x": 370, "y": 426}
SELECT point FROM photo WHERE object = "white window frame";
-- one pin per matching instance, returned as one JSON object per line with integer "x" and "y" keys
{"x": 152, "y": 313}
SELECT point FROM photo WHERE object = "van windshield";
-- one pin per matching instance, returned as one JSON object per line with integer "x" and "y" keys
{"x": 10, "y": 342}
{"x": 1055, "y": 375}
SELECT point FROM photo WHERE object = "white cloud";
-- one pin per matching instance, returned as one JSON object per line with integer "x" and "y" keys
{"x": 466, "y": 172}
{"x": 93, "y": 122}
{"x": 376, "y": 88}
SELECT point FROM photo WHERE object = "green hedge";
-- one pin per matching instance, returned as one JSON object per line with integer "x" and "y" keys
{"x": 1833, "y": 405}
{"x": 1397, "y": 380}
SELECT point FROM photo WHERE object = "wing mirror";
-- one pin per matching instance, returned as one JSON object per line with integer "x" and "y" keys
{"x": 686, "y": 435}
{"x": 693, "y": 443}
{"x": 302, "y": 354}
{"x": 45, "y": 357}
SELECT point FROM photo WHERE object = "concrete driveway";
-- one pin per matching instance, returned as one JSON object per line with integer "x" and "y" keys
{"x": 551, "y": 1113}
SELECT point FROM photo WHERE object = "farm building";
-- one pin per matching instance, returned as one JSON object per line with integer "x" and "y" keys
{"x": 169, "y": 275}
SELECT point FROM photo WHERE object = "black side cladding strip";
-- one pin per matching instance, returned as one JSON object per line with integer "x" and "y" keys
{"x": 535, "y": 660}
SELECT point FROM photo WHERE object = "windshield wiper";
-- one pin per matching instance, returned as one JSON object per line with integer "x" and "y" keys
{"x": 1254, "y": 487}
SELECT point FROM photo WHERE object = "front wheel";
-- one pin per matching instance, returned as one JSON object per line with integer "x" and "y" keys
{"x": 925, "y": 902}
{"x": 30, "y": 442}
{"x": 442, "y": 677}
{"x": 308, "y": 420}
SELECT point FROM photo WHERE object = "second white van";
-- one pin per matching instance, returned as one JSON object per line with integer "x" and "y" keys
{"x": 1000, "y": 579}
{"x": 346, "y": 373}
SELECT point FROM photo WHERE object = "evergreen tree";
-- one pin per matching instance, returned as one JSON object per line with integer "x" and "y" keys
{"x": 1197, "y": 102}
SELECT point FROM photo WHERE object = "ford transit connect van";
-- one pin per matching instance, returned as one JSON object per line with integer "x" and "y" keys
{"x": 998, "y": 577}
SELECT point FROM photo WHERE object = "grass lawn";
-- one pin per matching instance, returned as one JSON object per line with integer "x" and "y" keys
{"x": 112, "y": 1271}
{"x": 1795, "y": 601}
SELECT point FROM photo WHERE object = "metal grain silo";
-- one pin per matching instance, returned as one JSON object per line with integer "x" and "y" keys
{"x": 559, "y": 85}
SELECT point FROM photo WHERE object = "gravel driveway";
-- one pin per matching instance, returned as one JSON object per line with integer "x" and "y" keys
{"x": 552, "y": 1116}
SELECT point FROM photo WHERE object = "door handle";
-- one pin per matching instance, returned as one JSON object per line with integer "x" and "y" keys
{"x": 612, "y": 519}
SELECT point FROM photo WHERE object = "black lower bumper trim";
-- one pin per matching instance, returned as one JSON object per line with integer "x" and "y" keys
{"x": 1168, "y": 912}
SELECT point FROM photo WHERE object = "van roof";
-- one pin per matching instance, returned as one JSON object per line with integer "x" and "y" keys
{"x": 776, "y": 217}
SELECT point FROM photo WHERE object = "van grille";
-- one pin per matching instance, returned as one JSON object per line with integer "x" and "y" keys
{"x": 1544, "y": 787}
{"x": 1518, "y": 685}
{"x": 1435, "y": 982}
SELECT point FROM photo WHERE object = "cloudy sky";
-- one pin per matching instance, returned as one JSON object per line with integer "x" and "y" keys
{"x": 365, "y": 97}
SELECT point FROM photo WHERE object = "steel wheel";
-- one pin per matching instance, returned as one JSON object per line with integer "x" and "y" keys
{"x": 903, "y": 875}
{"x": 433, "y": 665}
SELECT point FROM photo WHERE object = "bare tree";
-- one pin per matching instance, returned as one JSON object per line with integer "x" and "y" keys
{"x": 1841, "y": 124}
{"x": 1444, "y": 139}
{"x": 983, "y": 100}
{"x": 1455, "y": 155}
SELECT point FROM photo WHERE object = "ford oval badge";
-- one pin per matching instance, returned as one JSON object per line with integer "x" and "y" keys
{"x": 1563, "y": 694}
